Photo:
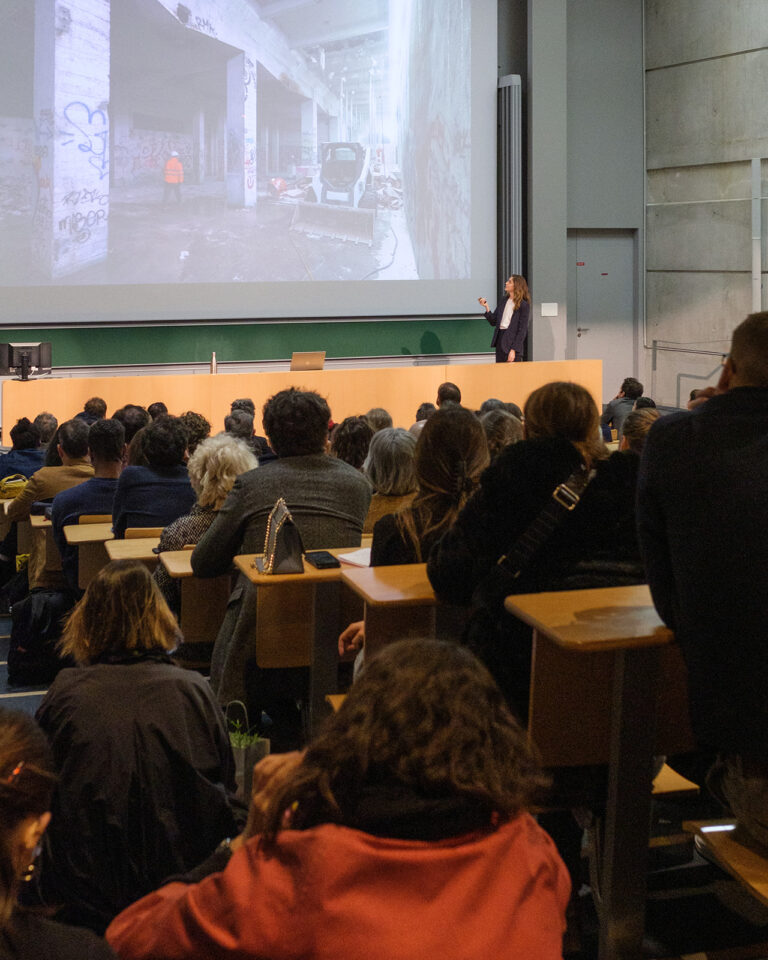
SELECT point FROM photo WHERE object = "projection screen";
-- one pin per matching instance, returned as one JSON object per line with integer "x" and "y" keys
{"x": 233, "y": 159}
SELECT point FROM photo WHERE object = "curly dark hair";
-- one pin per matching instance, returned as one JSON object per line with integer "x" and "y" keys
{"x": 197, "y": 429}
{"x": 424, "y": 713}
{"x": 133, "y": 418}
{"x": 25, "y": 435}
{"x": 351, "y": 439}
{"x": 163, "y": 442}
{"x": 296, "y": 422}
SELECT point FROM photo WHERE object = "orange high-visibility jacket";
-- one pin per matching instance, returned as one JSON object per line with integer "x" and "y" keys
{"x": 174, "y": 170}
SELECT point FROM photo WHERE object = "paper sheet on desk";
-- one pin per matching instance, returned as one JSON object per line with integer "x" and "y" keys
{"x": 358, "y": 558}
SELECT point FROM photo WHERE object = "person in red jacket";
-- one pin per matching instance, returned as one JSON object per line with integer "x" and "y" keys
{"x": 174, "y": 177}
{"x": 401, "y": 832}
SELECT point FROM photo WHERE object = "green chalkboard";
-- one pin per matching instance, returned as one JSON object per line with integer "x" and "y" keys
{"x": 190, "y": 343}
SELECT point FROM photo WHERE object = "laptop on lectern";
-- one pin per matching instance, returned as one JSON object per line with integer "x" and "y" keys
{"x": 311, "y": 360}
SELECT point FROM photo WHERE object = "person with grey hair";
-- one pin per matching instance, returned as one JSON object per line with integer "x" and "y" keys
{"x": 47, "y": 424}
{"x": 213, "y": 468}
{"x": 389, "y": 467}
{"x": 501, "y": 430}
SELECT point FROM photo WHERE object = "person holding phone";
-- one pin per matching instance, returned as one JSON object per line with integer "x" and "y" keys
{"x": 510, "y": 320}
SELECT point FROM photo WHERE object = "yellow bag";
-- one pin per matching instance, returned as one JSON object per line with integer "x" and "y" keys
{"x": 11, "y": 487}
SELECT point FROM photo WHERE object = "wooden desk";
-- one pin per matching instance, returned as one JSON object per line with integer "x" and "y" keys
{"x": 622, "y": 624}
{"x": 400, "y": 603}
{"x": 42, "y": 537}
{"x": 314, "y": 598}
{"x": 203, "y": 601}
{"x": 139, "y": 549}
{"x": 90, "y": 540}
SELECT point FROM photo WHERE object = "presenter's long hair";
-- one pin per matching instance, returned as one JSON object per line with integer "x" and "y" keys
{"x": 521, "y": 290}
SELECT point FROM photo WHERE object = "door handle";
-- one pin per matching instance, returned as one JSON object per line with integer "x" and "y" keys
{"x": 580, "y": 330}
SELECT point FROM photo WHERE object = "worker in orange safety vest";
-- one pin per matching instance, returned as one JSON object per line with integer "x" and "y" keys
{"x": 174, "y": 177}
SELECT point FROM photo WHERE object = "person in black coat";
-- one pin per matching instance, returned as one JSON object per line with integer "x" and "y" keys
{"x": 702, "y": 512}
{"x": 594, "y": 545}
{"x": 510, "y": 320}
{"x": 26, "y": 787}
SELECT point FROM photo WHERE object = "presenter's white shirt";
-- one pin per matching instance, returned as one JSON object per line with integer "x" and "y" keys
{"x": 506, "y": 317}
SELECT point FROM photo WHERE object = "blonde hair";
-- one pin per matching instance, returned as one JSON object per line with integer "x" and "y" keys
{"x": 122, "y": 610}
{"x": 215, "y": 465}
{"x": 566, "y": 410}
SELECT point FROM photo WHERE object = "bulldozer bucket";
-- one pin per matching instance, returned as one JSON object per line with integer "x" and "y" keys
{"x": 341, "y": 223}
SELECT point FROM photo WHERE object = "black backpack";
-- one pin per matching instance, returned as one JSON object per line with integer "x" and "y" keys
{"x": 36, "y": 625}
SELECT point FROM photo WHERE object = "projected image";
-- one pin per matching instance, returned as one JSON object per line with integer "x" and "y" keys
{"x": 219, "y": 141}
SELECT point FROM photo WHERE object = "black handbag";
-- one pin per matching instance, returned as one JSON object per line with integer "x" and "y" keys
{"x": 283, "y": 547}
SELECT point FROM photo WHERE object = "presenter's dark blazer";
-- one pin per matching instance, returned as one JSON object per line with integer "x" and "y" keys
{"x": 513, "y": 338}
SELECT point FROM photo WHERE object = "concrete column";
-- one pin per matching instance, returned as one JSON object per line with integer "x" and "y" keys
{"x": 71, "y": 109}
{"x": 241, "y": 133}
{"x": 198, "y": 148}
{"x": 308, "y": 131}
{"x": 547, "y": 175}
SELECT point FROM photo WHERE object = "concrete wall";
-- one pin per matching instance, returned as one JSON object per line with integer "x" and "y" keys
{"x": 707, "y": 117}
{"x": 17, "y": 157}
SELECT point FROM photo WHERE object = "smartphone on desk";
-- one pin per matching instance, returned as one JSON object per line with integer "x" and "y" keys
{"x": 321, "y": 559}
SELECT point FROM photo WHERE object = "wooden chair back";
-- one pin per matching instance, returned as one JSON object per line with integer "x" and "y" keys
{"x": 94, "y": 518}
{"x": 140, "y": 533}
{"x": 203, "y": 605}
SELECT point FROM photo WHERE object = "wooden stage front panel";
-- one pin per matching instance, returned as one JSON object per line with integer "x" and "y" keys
{"x": 349, "y": 392}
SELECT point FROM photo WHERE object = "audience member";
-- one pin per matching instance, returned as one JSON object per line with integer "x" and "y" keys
{"x": 52, "y": 457}
{"x": 26, "y": 455}
{"x": 642, "y": 402}
{"x": 350, "y": 441}
{"x": 450, "y": 455}
{"x": 146, "y": 774}
{"x": 378, "y": 418}
{"x": 106, "y": 440}
{"x": 134, "y": 455}
{"x": 213, "y": 468}
{"x": 47, "y": 424}
{"x": 620, "y": 406}
{"x": 44, "y": 485}
{"x": 513, "y": 408}
{"x": 133, "y": 418}
{"x": 159, "y": 493}
{"x": 26, "y": 787}
{"x": 699, "y": 397}
{"x": 258, "y": 443}
{"x": 448, "y": 392}
{"x": 491, "y": 404}
{"x": 239, "y": 424}
{"x": 501, "y": 429}
{"x": 636, "y": 427}
{"x": 389, "y": 466}
{"x": 197, "y": 429}
{"x": 94, "y": 409}
{"x": 702, "y": 506}
{"x": 595, "y": 544}
{"x": 328, "y": 500}
{"x": 424, "y": 412}
{"x": 419, "y": 784}
{"x": 157, "y": 409}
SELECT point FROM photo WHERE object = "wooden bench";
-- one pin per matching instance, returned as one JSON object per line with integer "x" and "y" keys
{"x": 203, "y": 601}
{"x": 89, "y": 535}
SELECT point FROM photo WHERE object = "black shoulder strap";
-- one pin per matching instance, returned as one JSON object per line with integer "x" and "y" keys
{"x": 565, "y": 497}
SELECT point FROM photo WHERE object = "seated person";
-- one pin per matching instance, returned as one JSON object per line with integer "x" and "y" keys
{"x": 622, "y": 404}
{"x": 636, "y": 427}
{"x": 155, "y": 495}
{"x": 402, "y": 832}
{"x": 27, "y": 782}
{"x": 423, "y": 414}
{"x": 328, "y": 500}
{"x": 106, "y": 442}
{"x": 72, "y": 449}
{"x": 447, "y": 393}
{"x": 133, "y": 418}
{"x": 47, "y": 424}
{"x": 378, "y": 418}
{"x": 157, "y": 409}
{"x": 197, "y": 428}
{"x": 26, "y": 456}
{"x": 501, "y": 430}
{"x": 389, "y": 466}
{"x": 146, "y": 774}
{"x": 350, "y": 440}
{"x": 260, "y": 445}
{"x": 594, "y": 545}
{"x": 239, "y": 424}
{"x": 94, "y": 409}
{"x": 213, "y": 468}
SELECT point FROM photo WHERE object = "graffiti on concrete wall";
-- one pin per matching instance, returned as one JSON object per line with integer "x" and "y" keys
{"x": 140, "y": 156}
{"x": 89, "y": 130}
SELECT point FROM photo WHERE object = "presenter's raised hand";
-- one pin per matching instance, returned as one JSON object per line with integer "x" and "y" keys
{"x": 483, "y": 303}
